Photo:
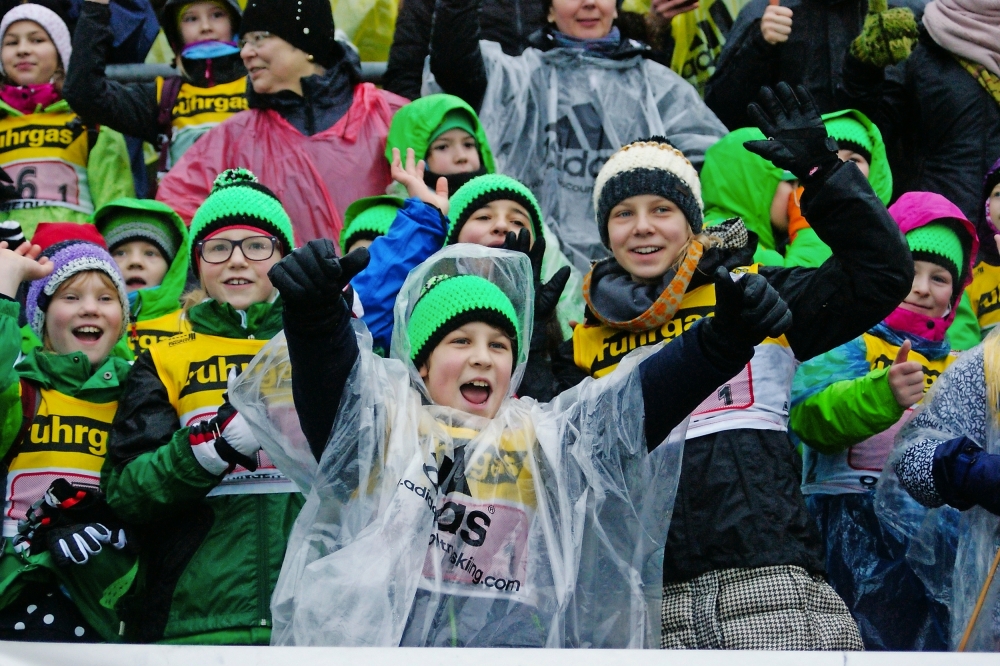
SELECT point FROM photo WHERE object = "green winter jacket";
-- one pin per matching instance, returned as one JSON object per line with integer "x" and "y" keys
{"x": 162, "y": 300}
{"x": 93, "y": 586}
{"x": 109, "y": 175}
{"x": 208, "y": 564}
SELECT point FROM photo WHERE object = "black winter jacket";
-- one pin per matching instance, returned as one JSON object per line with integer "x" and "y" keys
{"x": 738, "y": 500}
{"x": 130, "y": 108}
{"x": 941, "y": 126}
{"x": 507, "y": 22}
{"x": 813, "y": 56}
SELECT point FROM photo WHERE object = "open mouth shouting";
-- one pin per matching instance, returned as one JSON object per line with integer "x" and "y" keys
{"x": 477, "y": 392}
{"x": 135, "y": 282}
{"x": 88, "y": 334}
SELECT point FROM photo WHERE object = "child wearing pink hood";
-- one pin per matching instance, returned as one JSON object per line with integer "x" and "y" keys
{"x": 848, "y": 405}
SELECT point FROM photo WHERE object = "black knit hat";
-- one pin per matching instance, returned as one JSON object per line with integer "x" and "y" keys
{"x": 305, "y": 24}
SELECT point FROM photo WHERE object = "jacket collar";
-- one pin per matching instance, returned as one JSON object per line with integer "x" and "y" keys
{"x": 543, "y": 40}
{"x": 224, "y": 69}
{"x": 72, "y": 374}
{"x": 261, "y": 320}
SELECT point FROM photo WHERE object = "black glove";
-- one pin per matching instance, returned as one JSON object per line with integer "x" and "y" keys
{"x": 7, "y": 189}
{"x": 11, "y": 232}
{"x": 229, "y": 435}
{"x": 746, "y": 311}
{"x": 77, "y": 543}
{"x": 966, "y": 475}
{"x": 521, "y": 242}
{"x": 797, "y": 138}
{"x": 314, "y": 276}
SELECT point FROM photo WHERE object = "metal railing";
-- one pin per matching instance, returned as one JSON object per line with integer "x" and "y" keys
{"x": 370, "y": 71}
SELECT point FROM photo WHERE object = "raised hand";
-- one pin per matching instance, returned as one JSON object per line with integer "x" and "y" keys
{"x": 411, "y": 176}
{"x": 668, "y": 9}
{"x": 888, "y": 35}
{"x": 315, "y": 276}
{"x": 776, "y": 23}
{"x": 19, "y": 265}
{"x": 906, "y": 378}
{"x": 797, "y": 138}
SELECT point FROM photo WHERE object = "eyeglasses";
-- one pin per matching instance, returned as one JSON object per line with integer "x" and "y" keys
{"x": 254, "y": 248}
{"x": 254, "y": 39}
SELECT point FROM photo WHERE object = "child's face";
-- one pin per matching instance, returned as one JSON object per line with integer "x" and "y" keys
{"x": 29, "y": 57}
{"x": 470, "y": 369}
{"x": 454, "y": 151}
{"x": 931, "y": 291}
{"x": 141, "y": 264}
{"x": 489, "y": 225}
{"x": 846, "y": 155}
{"x": 583, "y": 19}
{"x": 203, "y": 21}
{"x": 779, "y": 205}
{"x": 84, "y": 315}
{"x": 995, "y": 206}
{"x": 647, "y": 233}
{"x": 238, "y": 281}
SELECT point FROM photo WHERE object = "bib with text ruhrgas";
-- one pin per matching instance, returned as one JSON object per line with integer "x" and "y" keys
{"x": 484, "y": 508}
{"x": 68, "y": 439}
{"x": 144, "y": 334}
{"x": 756, "y": 398}
{"x": 984, "y": 294}
{"x": 858, "y": 469}
{"x": 46, "y": 156}
{"x": 197, "y": 110}
{"x": 195, "y": 368}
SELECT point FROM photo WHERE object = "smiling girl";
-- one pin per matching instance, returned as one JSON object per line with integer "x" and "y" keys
{"x": 58, "y": 403}
{"x": 849, "y": 404}
{"x": 62, "y": 168}
{"x": 213, "y": 514}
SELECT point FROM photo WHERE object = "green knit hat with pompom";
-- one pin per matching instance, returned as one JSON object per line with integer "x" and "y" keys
{"x": 239, "y": 199}
{"x": 939, "y": 244}
{"x": 447, "y": 302}
{"x": 482, "y": 190}
{"x": 368, "y": 218}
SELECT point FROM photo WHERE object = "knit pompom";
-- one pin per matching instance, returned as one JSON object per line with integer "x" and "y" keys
{"x": 234, "y": 177}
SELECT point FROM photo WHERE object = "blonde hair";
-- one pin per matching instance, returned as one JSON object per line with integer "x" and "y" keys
{"x": 991, "y": 373}
{"x": 193, "y": 298}
{"x": 72, "y": 281}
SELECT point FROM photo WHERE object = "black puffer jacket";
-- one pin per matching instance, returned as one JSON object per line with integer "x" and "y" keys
{"x": 813, "y": 56}
{"x": 507, "y": 22}
{"x": 940, "y": 125}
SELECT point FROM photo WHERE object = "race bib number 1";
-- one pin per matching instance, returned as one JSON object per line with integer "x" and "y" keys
{"x": 737, "y": 393}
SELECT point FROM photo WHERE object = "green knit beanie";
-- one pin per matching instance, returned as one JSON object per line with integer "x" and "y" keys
{"x": 850, "y": 135}
{"x": 124, "y": 225}
{"x": 239, "y": 199}
{"x": 368, "y": 218}
{"x": 480, "y": 191}
{"x": 454, "y": 119}
{"x": 939, "y": 244}
{"x": 447, "y": 302}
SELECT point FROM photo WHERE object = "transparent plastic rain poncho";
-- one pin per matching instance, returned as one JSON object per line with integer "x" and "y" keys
{"x": 554, "y": 117}
{"x": 951, "y": 551}
{"x": 553, "y": 536}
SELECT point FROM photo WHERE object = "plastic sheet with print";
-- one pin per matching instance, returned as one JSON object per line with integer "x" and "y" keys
{"x": 427, "y": 526}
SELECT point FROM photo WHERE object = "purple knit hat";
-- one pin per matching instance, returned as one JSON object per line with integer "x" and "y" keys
{"x": 73, "y": 259}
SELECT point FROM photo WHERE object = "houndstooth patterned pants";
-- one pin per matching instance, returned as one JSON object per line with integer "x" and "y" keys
{"x": 766, "y": 608}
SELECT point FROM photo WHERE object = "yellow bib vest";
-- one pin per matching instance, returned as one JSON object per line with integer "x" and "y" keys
{"x": 46, "y": 155}
{"x": 194, "y": 368}
{"x": 144, "y": 334}
{"x": 984, "y": 294}
{"x": 757, "y": 398}
{"x": 68, "y": 438}
{"x": 858, "y": 469}
{"x": 198, "y": 110}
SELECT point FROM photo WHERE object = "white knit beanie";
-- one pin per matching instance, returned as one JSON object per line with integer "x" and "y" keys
{"x": 49, "y": 20}
{"x": 648, "y": 166}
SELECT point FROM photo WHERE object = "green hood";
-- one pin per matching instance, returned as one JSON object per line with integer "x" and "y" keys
{"x": 413, "y": 124}
{"x": 72, "y": 375}
{"x": 879, "y": 174}
{"x": 738, "y": 183}
{"x": 156, "y": 301}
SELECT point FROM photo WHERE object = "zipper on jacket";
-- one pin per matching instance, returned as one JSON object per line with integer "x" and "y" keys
{"x": 263, "y": 574}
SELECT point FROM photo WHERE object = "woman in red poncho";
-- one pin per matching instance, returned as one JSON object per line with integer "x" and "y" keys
{"x": 314, "y": 133}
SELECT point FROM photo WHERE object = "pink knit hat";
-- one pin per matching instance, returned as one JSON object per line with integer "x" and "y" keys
{"x": 49, "y": 20}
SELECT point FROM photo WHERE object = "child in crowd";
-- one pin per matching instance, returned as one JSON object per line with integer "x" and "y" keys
{"x": 847, "y": 407}
{"x": 149, "y": 242}
{"x": 455, "y": 514}
{"x": 211, "y": 513}
{"x": 740, "y": 525}
{"x": 169, "y": 113}
{"x": 367, "y": 219}
{"x": 56, "y": 406}
{"x": 984, "y": 292}
{"x": 62, "y": 168}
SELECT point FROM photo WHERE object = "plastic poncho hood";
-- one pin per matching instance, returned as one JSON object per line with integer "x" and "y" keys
{"x": 879, "y": 173}
{"x": 554, "y": 117}
{"x": 154, "y": 302}
{"x": 414, "y": 124}
{"x": 426, "y": 526}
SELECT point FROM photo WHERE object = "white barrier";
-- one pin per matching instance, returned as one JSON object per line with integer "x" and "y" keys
{"x": 63, "y": 654}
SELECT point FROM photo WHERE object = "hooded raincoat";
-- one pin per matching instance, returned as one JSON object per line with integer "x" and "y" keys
{"x": 425, "y": 525}
{"x": 846, "y": 414}
{"x": 316, "y": 176}
{"x": 156, "y": 311}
